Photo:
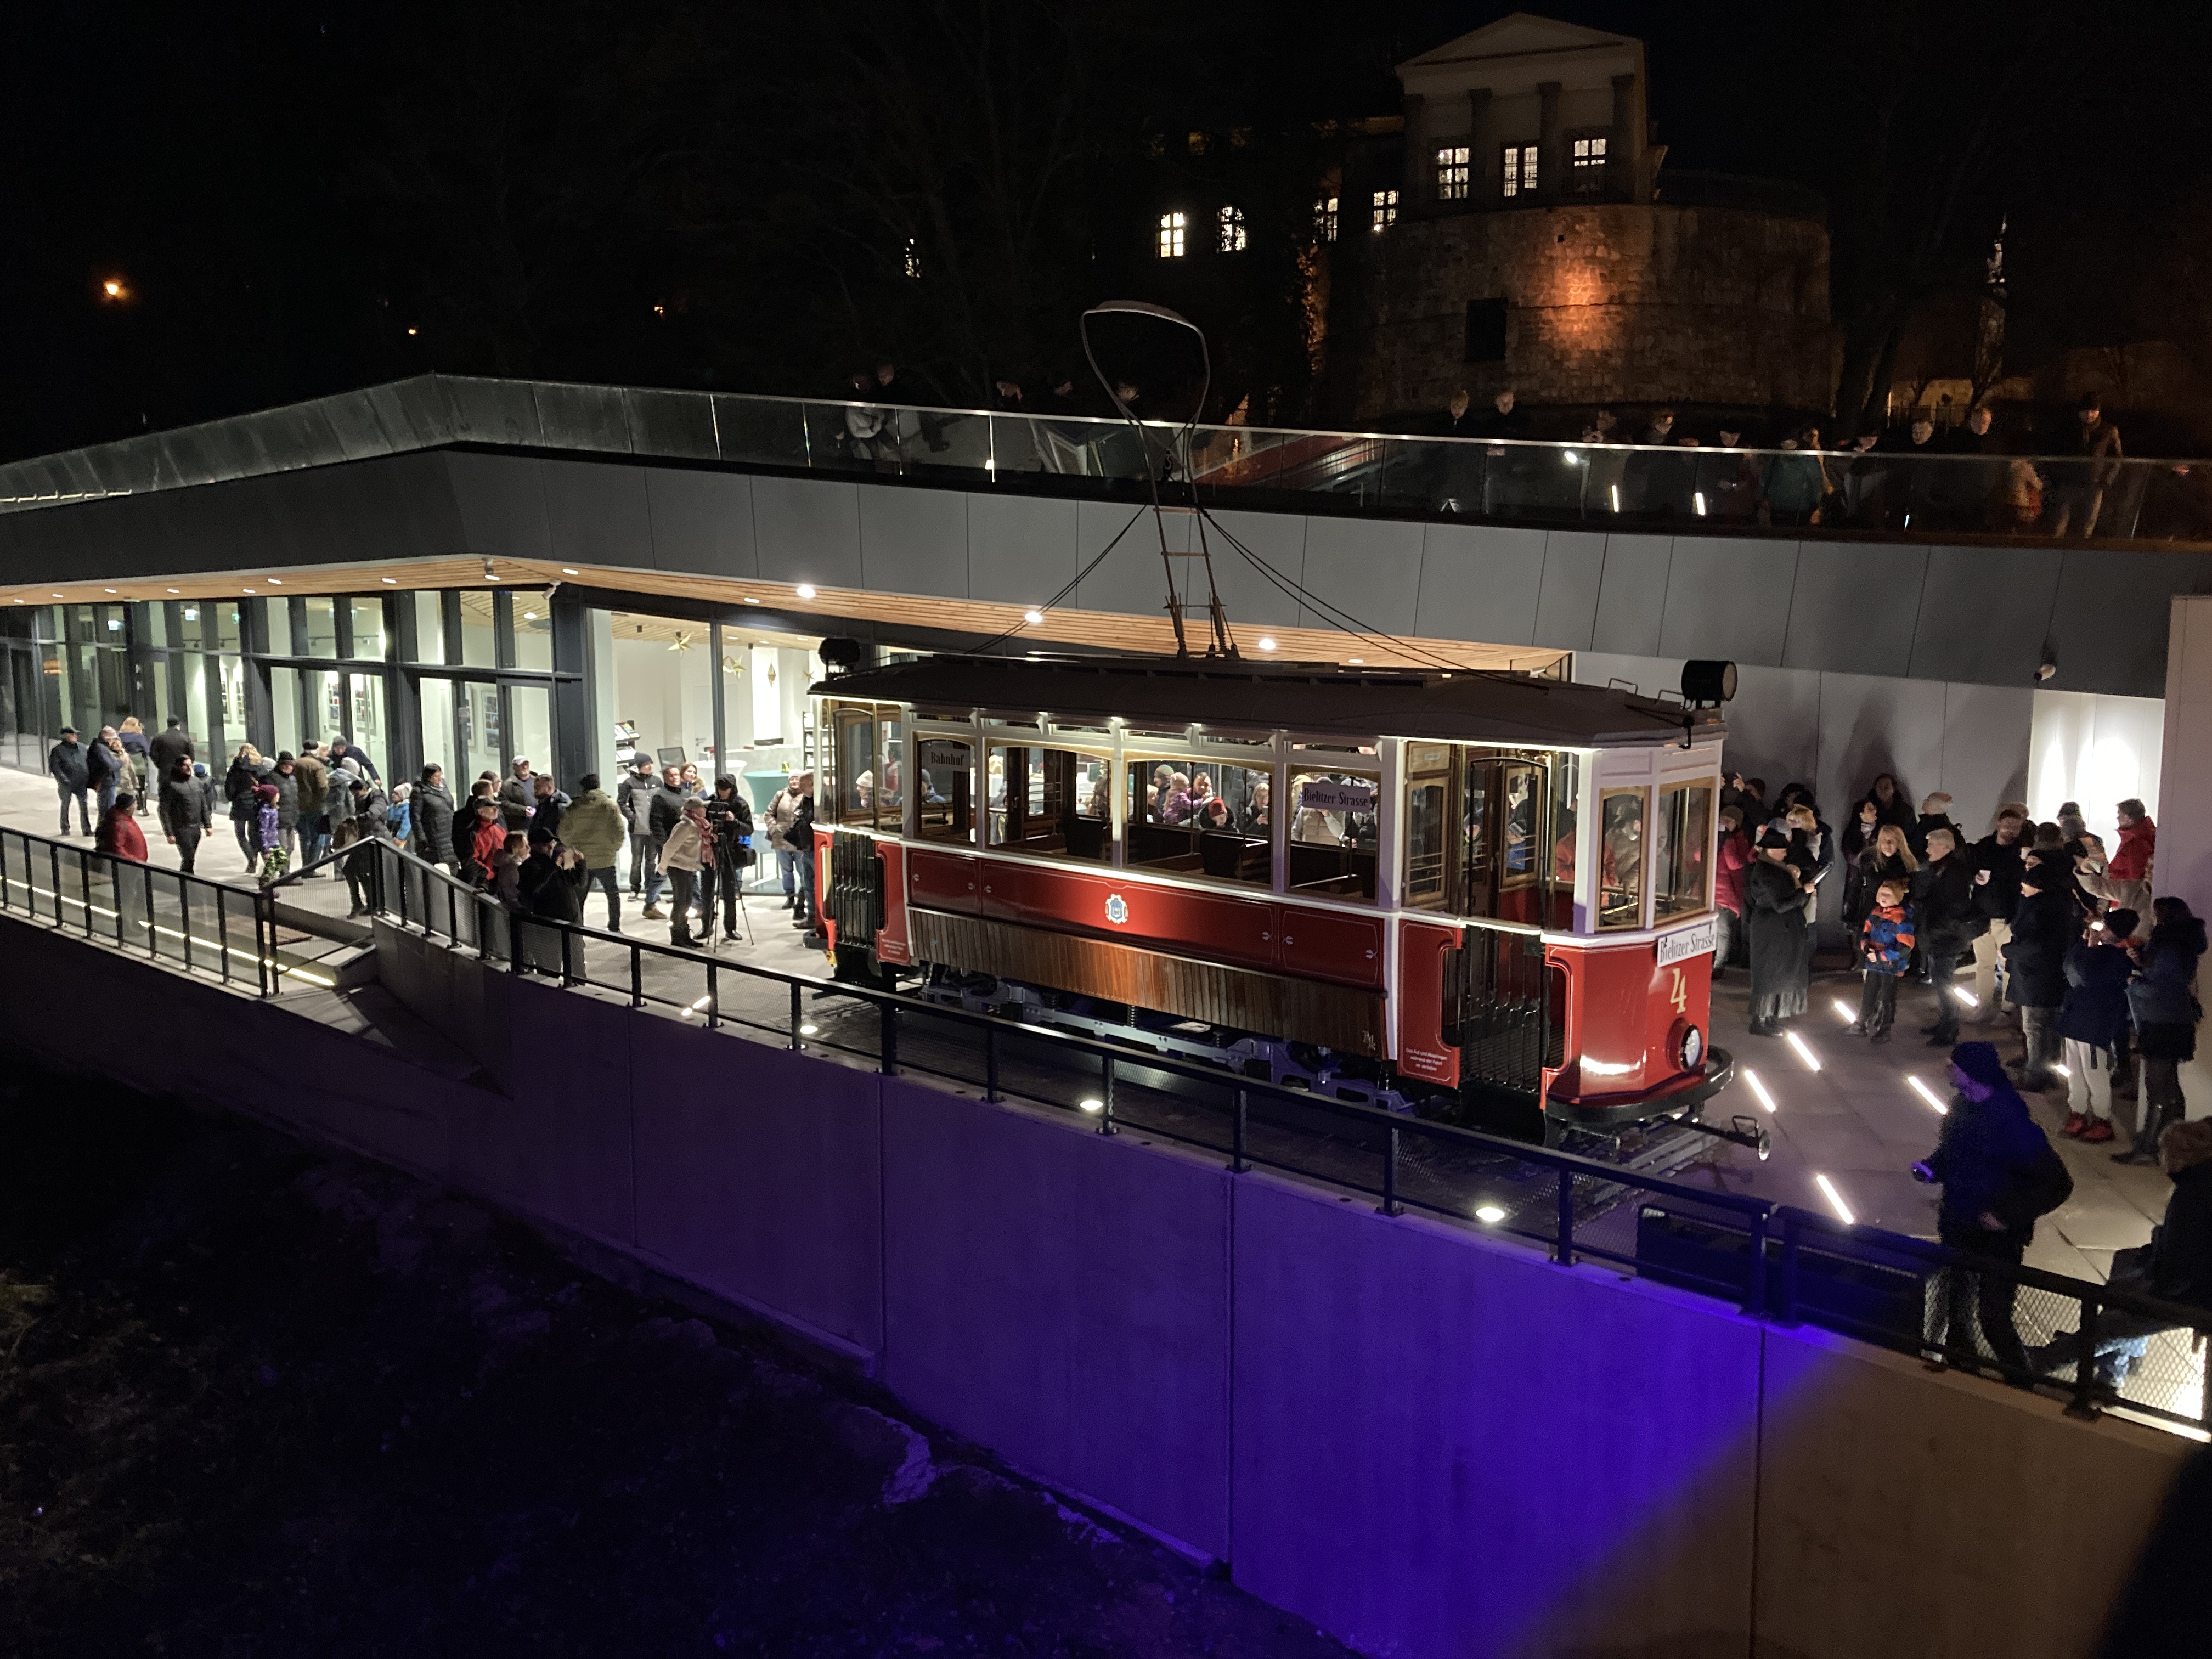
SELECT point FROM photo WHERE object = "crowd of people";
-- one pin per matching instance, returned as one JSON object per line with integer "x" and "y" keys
{"x": 1973, "y": 477}
{"x": 2064, "y": 934}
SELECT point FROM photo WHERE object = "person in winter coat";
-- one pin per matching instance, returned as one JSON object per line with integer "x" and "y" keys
{"x": 247, "y": 773}
{"x": 730, "y": 821}
{"x": 595, "y": 826}
{"x": 1998, "y": 862}
{"x": 1944, "y": 895}
{"x": 208, "y": 796}
{"x": 1886, "y": 857}
{"x": 486, "y": 840}
{"x": 552, "y": 883}
{"x": 634, "y": 795}
{"x": 506, "y": 868}
{"x": 365, "y": 823}
{"x": 270, "y": 836}
{"x": 109, "y": 766}
{"x": 686, "y": 855}
{"x": 2122, "y": 876}
{"x": 781, "y": 813}
{"x": 285, "y": 777}
{"x": 117, "y": 836}
{"x": 1732, "y": 857}
{"x": 131, "y": 734}
{"x": 1934, "y": 814}
{"x": 2094, "y": 1020}
{"x": 663, "y": 813}
{"x": 1998, "y": 1174}
{"x": 1885, "y": 950}
{"x": 1774, "y": 905}
{"x": 2043, "y": 928}
{"x": 183, "y": 811}
{"x": 431, "y": 806}
{"x": 311, "y": 810}
{"x": 173, "y": 744}
{"x": 799, "y": 838}
{"x": 518, "y": 795}
{"x": 2164, "y": 1008}
{"x": 399, "y": 814}
{"x": 341, "y": 751}
{"x": 70, "y": 768}
{"x": 1883, "y": 803}
{"x": 467, "y": 822}
{"x": 2176, "y": 1266}
{"x": 546, "y": 805}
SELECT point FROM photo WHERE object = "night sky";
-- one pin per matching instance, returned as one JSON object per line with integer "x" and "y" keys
{"x": 286, "y": 189}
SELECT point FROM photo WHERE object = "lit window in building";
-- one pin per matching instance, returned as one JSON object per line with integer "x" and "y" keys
{"x": 1232, "y": 230}
{"x": 1171, "y": 230}
{"x": 913, "y": 259}
{"x": 1518, "y": 176}
{"x": 1325, "y": 218}
{"x": 1586, "y": 166}
{"x": 1386, "y": 210}
{"x": 1451, "y": 174}
{"x": 1197, "y": 143}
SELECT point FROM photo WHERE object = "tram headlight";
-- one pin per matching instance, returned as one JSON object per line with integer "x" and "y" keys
{"x": 1690, "y": 1050}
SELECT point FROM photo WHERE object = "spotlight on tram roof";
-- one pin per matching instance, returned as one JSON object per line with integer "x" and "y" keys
{"x": 839, "y": 653}
{"x": 1707, "y": 683}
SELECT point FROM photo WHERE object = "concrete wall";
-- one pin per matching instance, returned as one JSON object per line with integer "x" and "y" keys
{"x": 1427, "y": 1441}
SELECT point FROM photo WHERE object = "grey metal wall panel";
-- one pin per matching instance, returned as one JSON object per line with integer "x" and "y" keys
{"x": 1566, "y": 605}
{"x": 2109, "y": 625}
{"x": 1728, "y": 598}
{"x": 1985, "y": 750}
{"x": 1856, "y": 607}
{"x": 502, "y": 504}
{"x": 1984, "y": 613}
{"x": 1277, "y": 539}
{"x": 1632, "y": 599}
{"x": 596, "y": 511}
{"x": 1870, "y": 725}
{"x": 1480, "y": 582}
{"x": 1369, "y": 567}
{"x": 914, "y": 540}
{"x": 702, "y": 521}
{"x": 809, "y": 530}
{"x": 1129, "y": 579}
{"x": 1021, "y": 549}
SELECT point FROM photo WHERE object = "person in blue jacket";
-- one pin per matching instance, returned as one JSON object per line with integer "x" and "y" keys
{"x": 2093, "y": 1020}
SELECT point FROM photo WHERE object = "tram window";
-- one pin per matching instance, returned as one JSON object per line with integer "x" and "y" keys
{"x": 1566, "y": 794}
{"x": 1050, "y": 800}
{"x": 944, "y": 781}
{"x": 1682, "y": 851}
{"x": 890, "y": 779}
{"x": 1201, "y": 818}
{"x": 1428, "y": 825}
{"x": 1620, "y": 859}
{"x": 853, "y": 733}
{"x": 1334, "y": 830}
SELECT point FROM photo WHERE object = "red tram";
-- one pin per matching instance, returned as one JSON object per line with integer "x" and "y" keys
{"x": 1415, "y": 888}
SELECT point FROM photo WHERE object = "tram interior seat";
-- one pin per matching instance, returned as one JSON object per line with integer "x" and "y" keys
{"x": 1349, "y": 871}
{"x": 1088, "y": 838}
{"x": 1239, "y": 857}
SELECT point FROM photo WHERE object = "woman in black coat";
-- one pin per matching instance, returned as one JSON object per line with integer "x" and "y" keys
{"x": 1774, "y": 910}
{"x": 247, "y": 769}
{"x": 2163, "y": 1004}
{"x": 430, "y": 831}
{"x": 1886, "y": 858}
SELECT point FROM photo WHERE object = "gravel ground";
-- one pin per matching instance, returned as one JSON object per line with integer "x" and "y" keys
{"x": 259, "y": 1398}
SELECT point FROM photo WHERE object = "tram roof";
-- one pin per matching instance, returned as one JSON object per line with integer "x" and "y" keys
{"x": 1456, "y": 706}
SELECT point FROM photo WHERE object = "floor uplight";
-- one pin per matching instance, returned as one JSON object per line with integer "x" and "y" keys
{"x": 1965, "y": 996}
{"x": 1836, "y": 1200}
{"x": 1927, "y": 1094}
{"x": 1845, "y": 1009}
{"x": 1759, "y": 1088}
{"x": 2060, "y": 1069}
{"x": 1093, "y": 1105}
{"x": 1489, "y": 1213}
{"x": 809, "y": 1030}
{"x": 1804, "y": 1052}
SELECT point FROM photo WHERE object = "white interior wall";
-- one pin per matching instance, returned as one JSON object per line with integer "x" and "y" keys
{"x": 2096, "y": 749}
{"x": 665, "y": 694}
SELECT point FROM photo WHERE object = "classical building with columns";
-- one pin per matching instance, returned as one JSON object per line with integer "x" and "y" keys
{"x": 1521, "y": 230}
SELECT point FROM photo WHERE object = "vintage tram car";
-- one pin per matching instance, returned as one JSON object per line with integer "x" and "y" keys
{"x": 1480, "y": 894}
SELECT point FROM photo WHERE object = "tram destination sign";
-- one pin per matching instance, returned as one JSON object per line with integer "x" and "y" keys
{"x": 1697, "y": 940}
{"x": 1329, "y": 795}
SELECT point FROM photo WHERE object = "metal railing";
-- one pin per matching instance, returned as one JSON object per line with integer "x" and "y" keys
{"x": 1775, "y": 1262}
{"x": 1942, "y": 496}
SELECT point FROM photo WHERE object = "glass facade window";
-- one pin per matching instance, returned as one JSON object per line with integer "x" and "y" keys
{"x": 219, "y": 621}
{"x": 315, "y": 625}
{"x": 284, "y": 698}
{"x": 482, "y": 738}
{"x": 945, "y": 783}
{"x": 276, "y": 623}
{"x": 1051, "y": 801}
{"x": 479, "y": 647}
{"x": 530, "y": 708}
{"x": 430, "y": 627}
{"x": 230, "y": 701}
{"x": 153, "y": 624}
{"x": 1682, "y": 851}
{"x": 533, "y": 631}
{"x": 437, "y": 700}
{"x": 1201, "y": 817}
{"x": 366, "y": 618}
{"x": 1620, "y": 858}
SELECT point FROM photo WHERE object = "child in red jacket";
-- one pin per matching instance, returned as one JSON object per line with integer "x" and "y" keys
{"x": 1886, "y": 949}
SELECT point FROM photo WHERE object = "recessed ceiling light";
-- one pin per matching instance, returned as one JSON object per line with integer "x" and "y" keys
{"x": 389, "y": 581}
{"x": 1356, "y": 662}
{"x": 566, "y": 571}
{"x": 57, "y": 596}
{"x": 1267, "y": 642}
{"x": 805, "y": 590}
{"x": 107, "y": 590}
{"x": 173, "y": 590}
{"x": 491, "y": 578}
{"x": 249, "y": 590}
{"x": 749, "y": 599}
{"x": 529, "y": 616}
{"x": 1033, "y": 617}
{"x": 276, "y": 581}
